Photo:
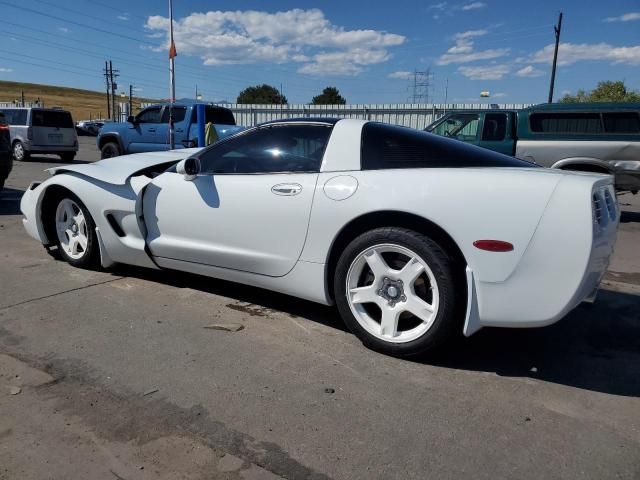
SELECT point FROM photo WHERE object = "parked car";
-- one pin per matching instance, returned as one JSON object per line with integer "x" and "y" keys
{"x": 592, "y": 137}
{"x": 149, "y": 130}
{"x": 384, "y": 221}
{"x": 88, "y": 128}
{"x": 41, "y": 130}
{"x": 6, "y": 162}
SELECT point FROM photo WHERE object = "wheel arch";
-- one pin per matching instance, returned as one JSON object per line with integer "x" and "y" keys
{"x": 392, "y": 218}
{"x": 583, "y": 164}
{"x": 110, "y": 137}
{"x": 50, "y": 194}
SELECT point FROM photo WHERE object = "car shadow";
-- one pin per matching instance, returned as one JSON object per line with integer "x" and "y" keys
{"x": 596, "y": 347}
{"x": 10, "y": 201}
{"x": 629, "y": 217}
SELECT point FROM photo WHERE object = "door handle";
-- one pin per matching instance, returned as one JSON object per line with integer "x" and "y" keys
{"x": 179, "y": 130}
{"x": 151, "y": 130}
{"x": 287, "y": 189}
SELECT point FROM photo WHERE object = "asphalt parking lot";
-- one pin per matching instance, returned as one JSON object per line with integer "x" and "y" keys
{"x": 113, "y": 375}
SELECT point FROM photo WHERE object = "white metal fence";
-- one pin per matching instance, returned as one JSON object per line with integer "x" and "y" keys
{"x": 410, "y": 115}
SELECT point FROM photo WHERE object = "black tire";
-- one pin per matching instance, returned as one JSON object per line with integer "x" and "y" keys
{"x": 91, "y": 257}
{"x": 110, "y": 150}
{"x": 448, "y": 320}
{"x": 68, "y": 156}
{"x": 19, "y": 153}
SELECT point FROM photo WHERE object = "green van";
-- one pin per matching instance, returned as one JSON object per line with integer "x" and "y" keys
{"x": 593, "y": 137}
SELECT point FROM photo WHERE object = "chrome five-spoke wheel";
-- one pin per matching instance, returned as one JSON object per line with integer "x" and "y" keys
{"x": 398, "y": 290}
{"x": 71, "y": 228}
{"x": 392, "y": 293}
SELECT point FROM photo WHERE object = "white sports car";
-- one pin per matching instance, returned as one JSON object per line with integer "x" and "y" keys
{"x": 415, "y": 237}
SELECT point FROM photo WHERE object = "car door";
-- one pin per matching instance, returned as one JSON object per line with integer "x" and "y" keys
{"x": 496, "y": 133}
{"x": 143, "y": 132}
{"x": 180, "y": 130}
{"x": 249, "y": 207}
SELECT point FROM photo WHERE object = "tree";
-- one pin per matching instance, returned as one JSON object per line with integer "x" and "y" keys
{"x": 261, "y": 94}
{"x": 607, "y": 91}
{"x": 329, "y": 96}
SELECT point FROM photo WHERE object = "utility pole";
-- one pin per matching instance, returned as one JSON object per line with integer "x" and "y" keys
{"x": 112, "y": 76}
{"x": 556, "y": 29}
{"x": 106, "y": 77}
{"x": 130, "y": 99}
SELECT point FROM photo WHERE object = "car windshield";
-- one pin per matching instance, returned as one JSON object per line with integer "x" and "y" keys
{"x": 459, "y": 125}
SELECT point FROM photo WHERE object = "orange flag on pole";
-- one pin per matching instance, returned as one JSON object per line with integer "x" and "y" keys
{"x": 172, "y": 50}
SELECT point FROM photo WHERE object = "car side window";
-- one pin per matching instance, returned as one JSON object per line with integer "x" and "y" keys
{"x": 621, "y": 122}
{"x": 461, "y": 126}
{"x": 178, "y": 114}
{"x": 150, "y": 115}
{"x": 269, "y": 149}
{"x": 495, "y": 127}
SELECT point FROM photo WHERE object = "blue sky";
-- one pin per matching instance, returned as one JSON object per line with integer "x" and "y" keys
{"x": 367, "y": 49}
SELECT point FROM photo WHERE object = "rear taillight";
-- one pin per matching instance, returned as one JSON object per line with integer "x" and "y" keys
{"x": 30, "y": 133}
{"x": 4, "y": 128}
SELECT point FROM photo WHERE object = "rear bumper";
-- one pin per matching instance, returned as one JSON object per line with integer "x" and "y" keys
{"x": 52, "y": 149}
{"x": 563, "y": 264}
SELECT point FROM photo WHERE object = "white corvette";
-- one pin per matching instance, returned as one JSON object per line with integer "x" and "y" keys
{"x": 414, "y": 237}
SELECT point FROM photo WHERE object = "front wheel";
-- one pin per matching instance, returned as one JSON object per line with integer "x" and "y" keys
{"x": 109, "y": 150}
{"x": 396, "y": 291}
{"x": 75, "y": 232}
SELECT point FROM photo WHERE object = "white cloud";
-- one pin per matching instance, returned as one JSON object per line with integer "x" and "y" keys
{"x": 570, "y": 53}
{"x": 438, "y": 6}
{"x": 124, "y": 17}
{"x": 474, "y": 6}
{"x": 529, "y": 71}
{"x": 402, "y": 75}
{"x": 63, "y": 29}
{"x": 500, "y": 95}
{"x": 627, "y": 17}
{"x": 463, "y": 51}
{"x": 302, "y": 36}
{"x": 6, "y": 70}
{"x": 485, "y": 72}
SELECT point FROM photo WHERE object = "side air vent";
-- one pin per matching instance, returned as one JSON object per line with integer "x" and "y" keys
{"x": 114, "y": 224}
{"x": 598, "y": 209}
{"x": 611, "y": 204}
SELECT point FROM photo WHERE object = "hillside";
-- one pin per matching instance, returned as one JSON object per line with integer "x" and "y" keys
{"x": 81, "y": 103}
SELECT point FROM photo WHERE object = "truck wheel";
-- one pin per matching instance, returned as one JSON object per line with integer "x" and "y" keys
{"x": 68, "y": 156}
{"x": 109, "y": 150}
{"x": 19, "y": 152}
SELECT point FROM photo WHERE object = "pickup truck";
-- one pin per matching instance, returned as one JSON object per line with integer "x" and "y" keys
{"x": 148, "y": 131}
{"x": 592, "y": 137}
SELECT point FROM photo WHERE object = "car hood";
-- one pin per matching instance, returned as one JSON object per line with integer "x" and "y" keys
{"x": 117, "y": 170}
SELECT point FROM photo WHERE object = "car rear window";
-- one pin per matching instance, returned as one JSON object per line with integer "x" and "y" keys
{"x": 215, "y": 115}
{"x": 575, "y": 123}
{"x": 390, "y": 146}
{"x": 15, "y": 116}
{"x": 621, "y": 122}
{"x": 51, "y": 118}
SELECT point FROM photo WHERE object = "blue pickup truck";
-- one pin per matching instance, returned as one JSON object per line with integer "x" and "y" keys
{"x": 149, "y": 130}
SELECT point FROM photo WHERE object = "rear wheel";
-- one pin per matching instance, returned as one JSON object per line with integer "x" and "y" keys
{"x": 395, "y": 289}
{"x": 75, "y": 234}
{"x": 68, "y": 156}
{"x": 109, "y": 150}
{"x": 19, "y": 152}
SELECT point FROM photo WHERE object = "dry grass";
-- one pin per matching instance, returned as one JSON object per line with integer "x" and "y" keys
{"x": 82, "y": 104}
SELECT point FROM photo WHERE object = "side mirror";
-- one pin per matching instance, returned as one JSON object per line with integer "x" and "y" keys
{"x": 192, "y": 143}
{"x": 189, "y": 168}
{"x": 131, "y": 119}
